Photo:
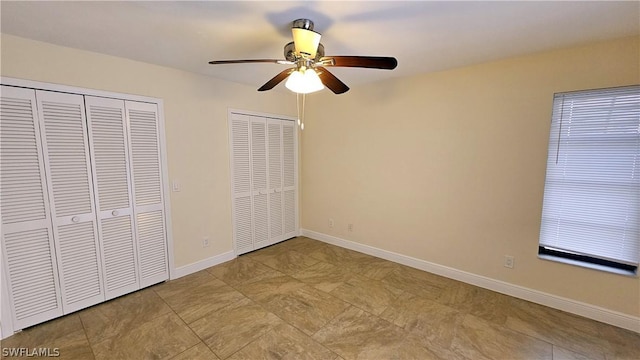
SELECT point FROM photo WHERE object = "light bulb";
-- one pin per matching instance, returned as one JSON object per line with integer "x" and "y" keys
{"x": 304, "y": 81}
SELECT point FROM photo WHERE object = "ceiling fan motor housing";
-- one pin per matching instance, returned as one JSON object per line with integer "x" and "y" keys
{"x": 290, "y": 52}
{"x": 305, "y": 38}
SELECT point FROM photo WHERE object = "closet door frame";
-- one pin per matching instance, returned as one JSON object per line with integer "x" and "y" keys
{"x": 5, "y": 309}
{"x": 266, "y": 116}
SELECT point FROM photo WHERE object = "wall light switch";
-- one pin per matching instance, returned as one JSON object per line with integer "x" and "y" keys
{"x": 176, "y": 186}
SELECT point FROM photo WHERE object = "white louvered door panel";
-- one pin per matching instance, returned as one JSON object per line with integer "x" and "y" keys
{"x": 30, "y": 267}
{"x": 290, "y": 179}
{"x": 148, "y": 201}
{"x": 241, "y": 183}
{"x": 259, "y": 183}
{"x": 118, "y": 253}
{"x": 110, "y": 164}
{"x": 274, "y": 128}
{"x": 66, "y": 150}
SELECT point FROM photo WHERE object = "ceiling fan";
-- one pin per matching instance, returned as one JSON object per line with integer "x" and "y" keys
{"x": 309, "y": 73}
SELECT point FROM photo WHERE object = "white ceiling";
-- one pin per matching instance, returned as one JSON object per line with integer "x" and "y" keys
{"x": 424, "y": 36}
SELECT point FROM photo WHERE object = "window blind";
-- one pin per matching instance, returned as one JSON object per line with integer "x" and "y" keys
{"x": 592, "y": 189}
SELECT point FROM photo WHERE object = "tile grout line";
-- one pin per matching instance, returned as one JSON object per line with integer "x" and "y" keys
{"x": 84, "y": 329}
{"x": 284, "y": 321}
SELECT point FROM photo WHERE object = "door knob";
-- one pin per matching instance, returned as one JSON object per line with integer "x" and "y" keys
{"x": 75, "y": 219}
{"x": 114, "y": 213}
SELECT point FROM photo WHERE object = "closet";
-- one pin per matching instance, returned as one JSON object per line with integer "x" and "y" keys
{"x": 264, "y": 180}
{"x": 81, "y": 201}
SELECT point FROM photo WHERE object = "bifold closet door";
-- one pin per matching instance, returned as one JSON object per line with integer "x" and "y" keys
{"x": 289, "y": 179}
{"x": 259, "y": 182}
{"x": 29, "y": 264}
{"x": 148, "y": 198}
{"x": 108, "y": 140}
{"x": 275, "y": 180}
{"x": 67, "y": 162}
{"x": 263, "y": 166}
{"x": 241, "y": 182}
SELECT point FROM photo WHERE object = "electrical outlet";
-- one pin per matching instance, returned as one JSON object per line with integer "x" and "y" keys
{"x": 350, "y": 227}
{"x": 331, "y": 223}
{"x": 176, "y": 186}
{"x": 205, "y": 241}
{"x": 508, "y": 261}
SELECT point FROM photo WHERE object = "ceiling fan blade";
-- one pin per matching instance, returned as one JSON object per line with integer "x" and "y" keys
{"x": 273, "y": 61}
{"x": 331, "y": 81}
{"x": 276, "y": 80}
{"x": 372, "y": 62}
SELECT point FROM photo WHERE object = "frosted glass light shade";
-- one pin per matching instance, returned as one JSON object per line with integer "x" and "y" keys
{"x": 304, "y": 81}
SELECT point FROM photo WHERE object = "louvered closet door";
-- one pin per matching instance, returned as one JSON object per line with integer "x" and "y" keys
{"x": 66, "y": 150}
{"x": 28, "y": 260}
{"x": 290, "y": 179}
{"x": 148, "y": 201}
{"x": 110, "y": 163}
{"x": 259, "y": 182}
{"x": 241, "y": 183}
{"x": 274, "y": 128}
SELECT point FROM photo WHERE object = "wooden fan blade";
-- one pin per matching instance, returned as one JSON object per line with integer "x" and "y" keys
{"x": 372, "y": 62}
{"x": 273, "y": 61}
{"x": 276, "y": 80}
{"x": 331, "y": 81}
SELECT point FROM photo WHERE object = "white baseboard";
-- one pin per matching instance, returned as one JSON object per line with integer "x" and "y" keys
{"x": 557, "y": 302}
{"x": 203, "y": 264}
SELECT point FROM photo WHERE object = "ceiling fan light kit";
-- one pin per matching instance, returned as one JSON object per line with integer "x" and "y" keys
{"x": 304, "y": 81}
{"x": 310, "y": 74}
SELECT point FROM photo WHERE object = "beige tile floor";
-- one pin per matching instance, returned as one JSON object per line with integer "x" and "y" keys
{"x": 303, "y": 299}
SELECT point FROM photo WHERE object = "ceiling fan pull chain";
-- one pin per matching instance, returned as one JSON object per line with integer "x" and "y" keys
{"x": 304, "y": 97}
{"x": 300, "y": 110}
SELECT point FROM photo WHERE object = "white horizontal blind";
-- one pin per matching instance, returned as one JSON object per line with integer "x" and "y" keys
{"x": 592, "y": 189}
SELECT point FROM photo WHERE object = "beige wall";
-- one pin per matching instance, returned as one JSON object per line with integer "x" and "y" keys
{"x": 446, "y": 167}
{"x": 449, "y": 167}
{"x": 196, "y": 128}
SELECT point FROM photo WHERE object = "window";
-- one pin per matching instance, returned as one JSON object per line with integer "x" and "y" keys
{"x": 591, "y": 209}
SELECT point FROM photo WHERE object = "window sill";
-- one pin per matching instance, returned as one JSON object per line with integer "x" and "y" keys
{"x": 588, "y": 265}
